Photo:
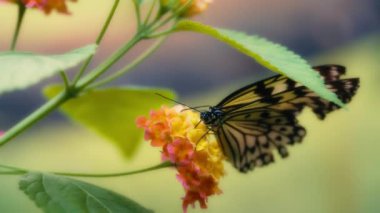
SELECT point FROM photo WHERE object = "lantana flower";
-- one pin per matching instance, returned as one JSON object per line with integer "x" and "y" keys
{"x": 195, "y": 6}
{"x": 45, "y": 5}
{"x": 186, "y": 143}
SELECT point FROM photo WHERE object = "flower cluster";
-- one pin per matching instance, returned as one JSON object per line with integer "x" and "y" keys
{"x": 185, "y": 143}
{"x": 194, "y": 6}
{"x": 45, "y": 5}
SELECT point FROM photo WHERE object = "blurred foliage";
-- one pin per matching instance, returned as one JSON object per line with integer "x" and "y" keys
{"x": 112, "y": 112}
{"x": 334, "y": 170}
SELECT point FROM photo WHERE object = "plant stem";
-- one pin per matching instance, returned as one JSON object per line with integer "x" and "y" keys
{"x": 34, "y": 117}
{"x": 20, "y": 18}
{"x": 159, "y": 166}
{"x": 108, "y": 21}
{"x": 65, "y": 80}
{"x": 98, "y": 40}
{"x": 163, "y": 33}
{"x": 108, "y": 63}
{"x": 131, "y": 65}
{"x": 138, "y": 15}
{"x": 12, "y": 173}
{"x": 15, "y": 169}
{"x": 19, "y": 171}
{"x": 174, "y": 16}
{"x": 150, "y": 12}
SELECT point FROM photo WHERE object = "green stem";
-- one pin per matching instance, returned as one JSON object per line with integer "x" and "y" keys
{"x": 109, "y": 62}
{"x": 159, "y": 166}
{"x": 20, "y": 18}
{"x": 138, "y": 15}
{"x": 15, "y": 169}
{"x": 65, "y": 80}
{"x": 163, "y": 33}
{"x": 174, "y": 16}
{"x": 98, "y": 40}
{"x": 131, "y": 65}
{"x": 34, "y": 117}
{"x": 12, "y": 173}
{"x": 150, "y": 12}
{"x": 19, "y": 171}
{"x": 108, "y": 21}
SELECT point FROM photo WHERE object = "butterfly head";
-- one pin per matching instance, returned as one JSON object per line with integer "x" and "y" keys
{"x": 212, "y": 117}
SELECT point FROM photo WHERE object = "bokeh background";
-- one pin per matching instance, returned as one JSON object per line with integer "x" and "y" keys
{"x": 334, "y": 170}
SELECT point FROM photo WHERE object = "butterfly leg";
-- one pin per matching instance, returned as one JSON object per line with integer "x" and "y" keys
{"x": 204, "y": 135}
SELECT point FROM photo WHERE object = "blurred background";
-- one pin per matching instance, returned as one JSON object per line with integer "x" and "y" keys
{"x": 334, "y": 170}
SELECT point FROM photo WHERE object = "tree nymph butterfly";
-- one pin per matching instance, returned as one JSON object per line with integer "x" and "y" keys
{"x": 255, "y": 120}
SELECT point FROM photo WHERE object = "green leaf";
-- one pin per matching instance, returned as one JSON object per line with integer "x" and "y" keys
{"x": 270, "y": 55}
{"x": 112, "y": 112}
{"x": 60, "y": 194}
{"x": 19, "y": 70}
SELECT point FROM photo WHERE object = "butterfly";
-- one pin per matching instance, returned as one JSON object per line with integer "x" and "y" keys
{"x": 259, "y": 118}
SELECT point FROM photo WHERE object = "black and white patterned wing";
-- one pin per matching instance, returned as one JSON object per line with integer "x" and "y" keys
{"x": 282, "y": 93}
{"x": 261, "y": 117}
{"x": 249, "y": 138}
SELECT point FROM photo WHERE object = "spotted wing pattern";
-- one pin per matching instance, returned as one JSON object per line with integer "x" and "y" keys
{"x": 261, "y": 117}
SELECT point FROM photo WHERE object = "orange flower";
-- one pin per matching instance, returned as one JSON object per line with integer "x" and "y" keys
{"x": 46, "y": 5}
{"x": 185, "y": 143}
{"x": 179, "y": 151}
{"x": 194, "y": 6}
{"x": 197, "y": 6}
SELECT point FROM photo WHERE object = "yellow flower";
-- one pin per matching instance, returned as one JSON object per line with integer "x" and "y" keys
{"x": 186, "y": 143}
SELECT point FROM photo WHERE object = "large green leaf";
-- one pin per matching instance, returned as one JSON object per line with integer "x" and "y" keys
{"x": 19, "y": 70}
{"x": 271, "y": 55}
{"x": 112, "y": 112}
{"x": 60, "y": 194}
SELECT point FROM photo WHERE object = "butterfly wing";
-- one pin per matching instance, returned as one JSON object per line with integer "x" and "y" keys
{"x": 249, "y": 138}
{"x": 261, "y": 117}
{"x": 282, "y": 93}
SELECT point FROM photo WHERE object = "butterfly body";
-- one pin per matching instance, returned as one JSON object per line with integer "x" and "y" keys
{"x": 213, "y": 117}
{"x": 259, "y": 118}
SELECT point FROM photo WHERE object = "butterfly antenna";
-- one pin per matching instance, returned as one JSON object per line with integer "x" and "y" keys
{"x": 177, "y": 102}
{"x": 197, "y": 107}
